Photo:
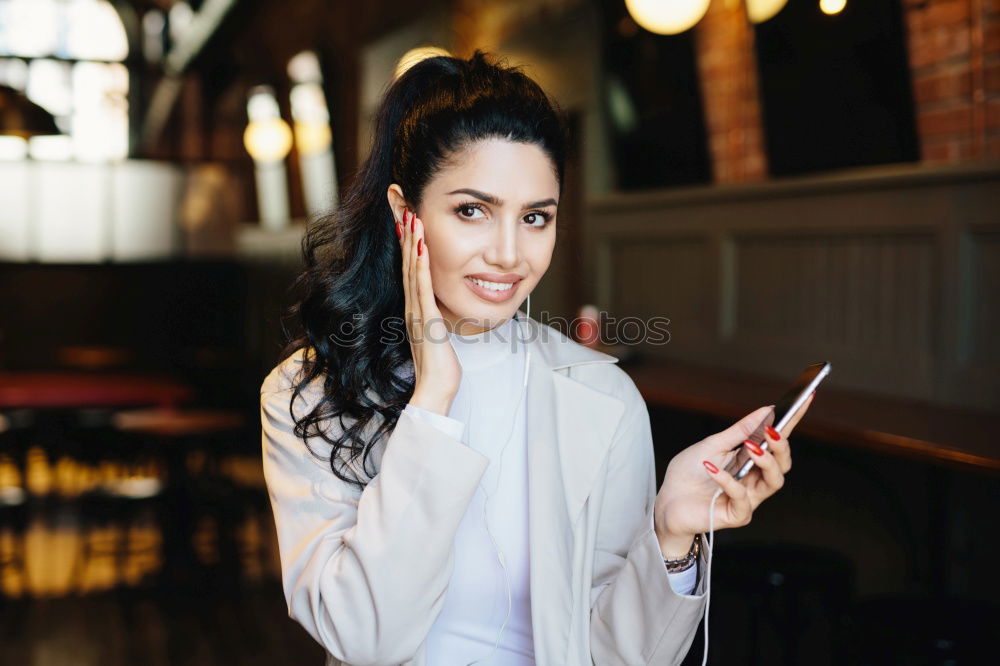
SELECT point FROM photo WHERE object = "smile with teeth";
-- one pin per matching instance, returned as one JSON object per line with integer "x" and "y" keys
{"x": 493, "y": 286}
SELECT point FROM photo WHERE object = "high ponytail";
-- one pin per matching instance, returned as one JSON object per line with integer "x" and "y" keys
{"x": 352, "y": 281}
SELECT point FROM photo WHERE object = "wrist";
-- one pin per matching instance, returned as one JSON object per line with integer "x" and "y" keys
{"x": 674, "y": 546}
{"x": 438, "y": 404}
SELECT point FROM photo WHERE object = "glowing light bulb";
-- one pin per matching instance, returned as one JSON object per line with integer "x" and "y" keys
{"x": 268, "y": 140}
{"x": 667, "y": 17}
{"x": 832, "y": 7}
{"x": 759, "y": 11}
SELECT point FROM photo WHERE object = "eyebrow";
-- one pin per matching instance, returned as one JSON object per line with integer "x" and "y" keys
{"x": 496, "y": 201}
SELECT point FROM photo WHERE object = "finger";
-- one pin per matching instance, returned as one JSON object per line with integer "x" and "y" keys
{"x": 737, "y": 501}
{"x": 780, "y": 448}
{"x": 414, "y": 294}
{"x": 404, "y": 251}
{"x": 424, "y": 287}
{"x": 413, "y": 314}
{"x": 770, "y": 479}
{"x": 725, "y": 440}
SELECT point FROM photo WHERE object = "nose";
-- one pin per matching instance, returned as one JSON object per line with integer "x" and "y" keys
{"x": 503, "y": 248}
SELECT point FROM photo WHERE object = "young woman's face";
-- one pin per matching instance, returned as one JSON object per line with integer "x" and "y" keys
{"x": 489, "y": 215}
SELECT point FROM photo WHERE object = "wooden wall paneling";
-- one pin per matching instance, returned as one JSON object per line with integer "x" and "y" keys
{"x": 888, "y": 272}
{"x": 862, "y": 300}
{"x": 666, "y": 276}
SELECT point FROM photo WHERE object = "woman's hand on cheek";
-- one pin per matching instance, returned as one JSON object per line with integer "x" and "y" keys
{"x": 437, "y": 372}
{"x": 695, "y": 473}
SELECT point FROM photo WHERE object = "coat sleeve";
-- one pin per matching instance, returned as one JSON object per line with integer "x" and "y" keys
{"x": 453, "y": 427}
{"x": 636, "y": 616}
{"x": 365, "y": 572}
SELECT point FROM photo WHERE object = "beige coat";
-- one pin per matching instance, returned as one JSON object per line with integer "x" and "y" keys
{"x": 366, "y": 572}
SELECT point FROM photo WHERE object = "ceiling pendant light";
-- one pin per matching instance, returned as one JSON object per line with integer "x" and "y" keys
{"x": 667, "y": 17}
{"x": 759, "y": 11}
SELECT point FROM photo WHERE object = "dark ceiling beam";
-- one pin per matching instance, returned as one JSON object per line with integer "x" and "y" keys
{"x": 207, "y": 22}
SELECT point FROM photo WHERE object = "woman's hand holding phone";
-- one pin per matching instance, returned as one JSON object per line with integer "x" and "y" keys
{"x": 695, "y": 473}
{"x": 437, "y": 372}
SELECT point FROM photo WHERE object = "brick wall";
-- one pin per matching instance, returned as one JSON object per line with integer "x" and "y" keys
{"x": 954, "y": 51}
{"x": 954, "y": 48}
{"x": 728, "y": 76}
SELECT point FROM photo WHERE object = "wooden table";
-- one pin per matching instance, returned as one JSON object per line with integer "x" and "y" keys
{"x": 174, "y": 431}
{"x": 932, "y": 433}
{"x": 69, "y": 390}
{"x": 948, "y": 438}
{"x": 146, "y": 406}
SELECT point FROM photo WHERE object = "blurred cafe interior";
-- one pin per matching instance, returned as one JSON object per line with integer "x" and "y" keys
{"x": 788, "y": 181}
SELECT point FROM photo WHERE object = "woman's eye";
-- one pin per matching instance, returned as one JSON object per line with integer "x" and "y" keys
{"x": 468, "y": 211}
{"x": 540, "y": 220}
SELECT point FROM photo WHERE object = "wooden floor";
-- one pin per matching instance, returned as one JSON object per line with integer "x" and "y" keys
{"x": 61, "y": 608}
{"x": 250, "y": 626}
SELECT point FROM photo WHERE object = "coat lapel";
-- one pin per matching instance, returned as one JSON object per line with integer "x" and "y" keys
{"x": 570, "y": 428}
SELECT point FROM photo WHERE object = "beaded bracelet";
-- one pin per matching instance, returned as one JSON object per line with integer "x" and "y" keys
{"x": 686, "y": 562}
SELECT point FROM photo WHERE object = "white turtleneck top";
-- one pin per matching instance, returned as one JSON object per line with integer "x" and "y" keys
{"x": 482, "y": 415}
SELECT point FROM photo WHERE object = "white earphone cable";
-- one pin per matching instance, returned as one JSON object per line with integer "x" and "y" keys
{"x": 708, "y": 571}
{"x": 500, "y": 558}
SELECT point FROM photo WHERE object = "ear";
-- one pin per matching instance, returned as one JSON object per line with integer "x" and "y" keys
{"x": 397, "y": 202}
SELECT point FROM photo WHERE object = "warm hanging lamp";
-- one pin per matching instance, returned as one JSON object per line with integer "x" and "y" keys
{"x": 759, "y": 11}
{"x": 667, "y": 17}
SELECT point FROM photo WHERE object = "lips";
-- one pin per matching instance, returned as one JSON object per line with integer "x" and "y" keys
{"x": 497, "y": 277}
{"x": 489, "y": 294}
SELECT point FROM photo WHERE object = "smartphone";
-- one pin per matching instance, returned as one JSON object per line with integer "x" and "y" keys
{"x": 778, "y": 418}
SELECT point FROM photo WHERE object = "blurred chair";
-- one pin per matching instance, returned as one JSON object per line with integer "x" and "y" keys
{"x": 115, "y": 482}
{"x": 246, "y": 473}
{"x": 202, "y": 507}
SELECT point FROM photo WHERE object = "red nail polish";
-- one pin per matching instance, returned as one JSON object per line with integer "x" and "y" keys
{"x": 772, "y": 433}
{"x": 420, "y": 241}
{"x": 399, "y": 229}
{"x": 413, "y": 222}
{"x": 757, "y": 451}
{"x": 710, "y": 467}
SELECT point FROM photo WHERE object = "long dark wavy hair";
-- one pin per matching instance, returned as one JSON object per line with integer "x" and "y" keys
{"x": 353, "y": 276}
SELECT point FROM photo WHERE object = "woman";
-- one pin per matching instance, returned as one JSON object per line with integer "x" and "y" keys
{"x": 452, "y": 484}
